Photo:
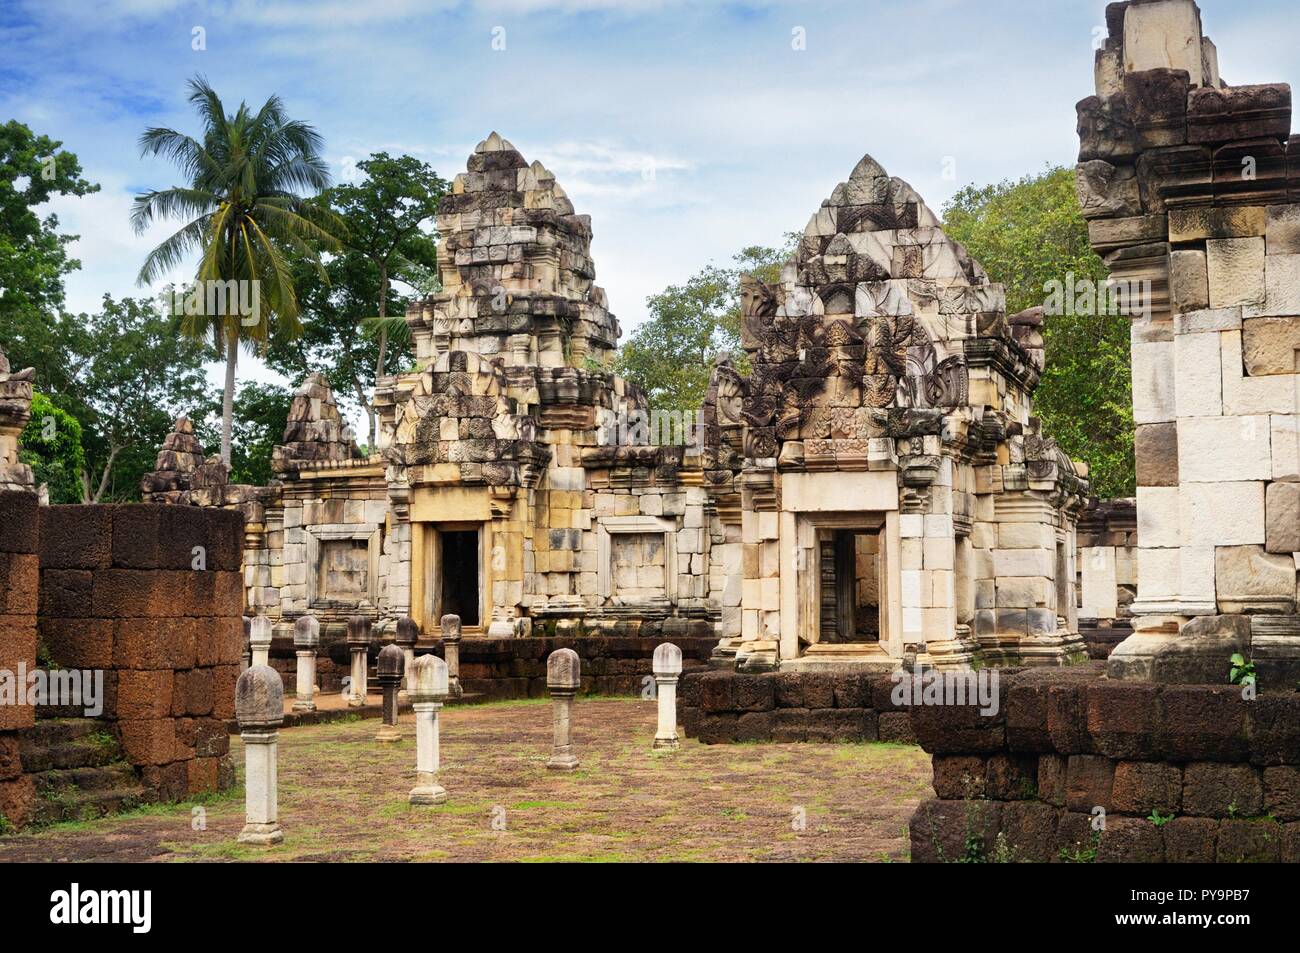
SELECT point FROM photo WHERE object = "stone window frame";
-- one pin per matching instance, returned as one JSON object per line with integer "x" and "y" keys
{"x": 609, "y": 525}
{"x": 329, "y": 532}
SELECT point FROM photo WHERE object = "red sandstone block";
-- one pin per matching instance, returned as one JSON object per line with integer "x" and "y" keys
{"x": 20, "y": 520}
{"x": 1145, "y": 786}
{"x": 224, "y": 678}
{"x": 186, "y": 739}
{"x": 1282, "y": 792}
{"x": 11, "y": 765}
{"x": 137, "y": 532}
{"x": 1067, "y": 721}
{"x": 1051, "y": 779}
{"x": 1191, "y": 840}
{"x": 78, "y": 643}
{"x": 153, "y": 643}
{"x": 1029, "y": 831}
{"x": 1130, "y": 840}
{"x": 167, "y": 782}
{"x": 211, "y": 738}
{"x": 66, "y": 593}
{"x": 17, "y": 649}
{"x": 1012, "y": 777}
{"x": 76, "y": 537}
{"x": 1027, "y": 718}
{"x": 1088, "y": 782}
{"x": 896, "y": 727}
{"x": 1200, "y": 723}
{"x": 194, "y": 692}
{"x": 144, "y": 694}
{"x": 20, "y": 577}
{"x": 953, "y": 831}
{"x": 958, "y": 776}
{"x": 1076, "y": 839}
{"x": 203, "y": 775}
{"x": 18, "y": 800}
{"x": 1211, "y": 789}
{"x": 225, "y": 539}
{"x": 1121, "y": 718}
{"x": 1291, "y": 843}
{"x": 1249, "y": 841}
{"x": 1274, "y": 728}
{"x": 151, "y": 741}
{"x": 228, "y": 595}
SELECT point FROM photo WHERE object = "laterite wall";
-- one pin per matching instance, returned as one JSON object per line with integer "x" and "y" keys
{"x": 1183, "y": 773}
{"x": 115, "y": 588}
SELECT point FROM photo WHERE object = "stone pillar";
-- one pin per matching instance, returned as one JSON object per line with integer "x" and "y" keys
{"x": 259, "y": 641}
{"x": 388, "y": 669}
{"x": 563, "y": 676}
{"x": 451, "y": 648}
{"x": 246, "y": 660}
{"x": 667, "y": 667}
{"x": 259, "y": 709}
{"x": 306, "y": 638}
{"x": 429, "y": 685}
{"x": 15, "y": 411}
{"x": 407, "y": 633}
{"x": 358, "y": 646}
{"x": 1188, "y": 188}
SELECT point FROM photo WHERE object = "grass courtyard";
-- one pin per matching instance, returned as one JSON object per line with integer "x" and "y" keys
{"x": 343, "y": 797}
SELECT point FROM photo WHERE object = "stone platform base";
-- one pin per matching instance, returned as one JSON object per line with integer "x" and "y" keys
{"x": 720, "y": 706}
{"x": 1074, "y": 767}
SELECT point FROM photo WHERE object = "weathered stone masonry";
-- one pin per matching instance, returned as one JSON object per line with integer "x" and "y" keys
{"x": 1194, "y": 186}
{"x": 869, "y": 484}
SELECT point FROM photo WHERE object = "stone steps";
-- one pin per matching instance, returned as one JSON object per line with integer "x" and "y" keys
{"x": 77, "y": 769}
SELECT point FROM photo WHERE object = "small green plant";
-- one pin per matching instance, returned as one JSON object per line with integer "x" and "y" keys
{"x": 6, "y": 827}
{"x": 1158, "y": 819}
{"x": 1242, "y": 671}
{"x": 1081, "y": 854}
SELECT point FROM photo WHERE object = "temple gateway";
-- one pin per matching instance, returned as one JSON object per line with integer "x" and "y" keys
{"x": 865, "y": 485}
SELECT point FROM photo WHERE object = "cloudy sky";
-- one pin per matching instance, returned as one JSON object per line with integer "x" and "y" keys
{"x": 687, "y": 130}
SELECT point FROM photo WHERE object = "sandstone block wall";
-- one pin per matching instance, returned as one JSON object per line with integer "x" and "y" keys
{"x": 119, "y": 592}
{"x": 721, "y": 706}
{"x": 1107, "y": 542}
{"x": 501, "y": 668}
{"x": 1183, "y": 773}
{"x": 19, "y": 585}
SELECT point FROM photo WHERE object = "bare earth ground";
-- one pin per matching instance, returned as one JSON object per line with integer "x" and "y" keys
{"x": 343, "y": 796}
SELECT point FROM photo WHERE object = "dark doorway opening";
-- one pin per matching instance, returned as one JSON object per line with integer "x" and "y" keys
{"x": 459, "y": 563}
{"x": 850, "y": 586}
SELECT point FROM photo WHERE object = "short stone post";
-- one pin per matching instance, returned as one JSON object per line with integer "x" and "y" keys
{"x": 358, "y": 646}
{"x": 259, "y": 709}
{"x": 306, "y": 637}
{"x": 428, "y": 692}
{"x": 246, "y": 660}
{"x": 451, "y": 649}
{"x": 563, "y": 677}
{"x": 388, "y": 670}
{"x": 667, "y": 666}
{"x": 259, "y": 641}
{"x": 407, "y": 632}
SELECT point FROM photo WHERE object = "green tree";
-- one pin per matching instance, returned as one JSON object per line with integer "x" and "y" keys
{"x": 51, "y": 445}
{"x": 243, "y": 209}
{"x": 134, "y": 373}
{"x": 1028, "y": 234}
{"x": 33, "y": 254}
{"x": 671, "y": 354}
{"x": 354, "y": 327}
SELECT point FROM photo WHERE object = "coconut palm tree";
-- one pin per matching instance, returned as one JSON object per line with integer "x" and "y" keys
{"x": 252, "y": 176}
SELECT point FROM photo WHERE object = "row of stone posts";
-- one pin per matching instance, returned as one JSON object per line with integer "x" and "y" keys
{"x": 259, "y": 708}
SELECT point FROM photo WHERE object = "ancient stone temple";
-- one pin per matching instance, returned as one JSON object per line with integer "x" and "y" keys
{"x": 866, "y": 484}
{"x": 1192, "y": 191}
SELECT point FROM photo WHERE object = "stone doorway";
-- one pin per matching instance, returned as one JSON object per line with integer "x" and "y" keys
{"x": 849, "y": 572}
{"x": 459, "y": 586}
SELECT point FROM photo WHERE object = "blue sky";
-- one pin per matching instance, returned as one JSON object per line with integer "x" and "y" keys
{"x": 686, "y": 130}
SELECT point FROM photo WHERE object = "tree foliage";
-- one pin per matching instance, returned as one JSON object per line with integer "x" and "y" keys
{"x": 51, "y": 445}
{"x": 671, "y": 354}
{"x": 33, "y": 254}
{"x": 354, "y": 328}
{"x": 244, "y": 209}
{"x": 1028, "y": 234}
